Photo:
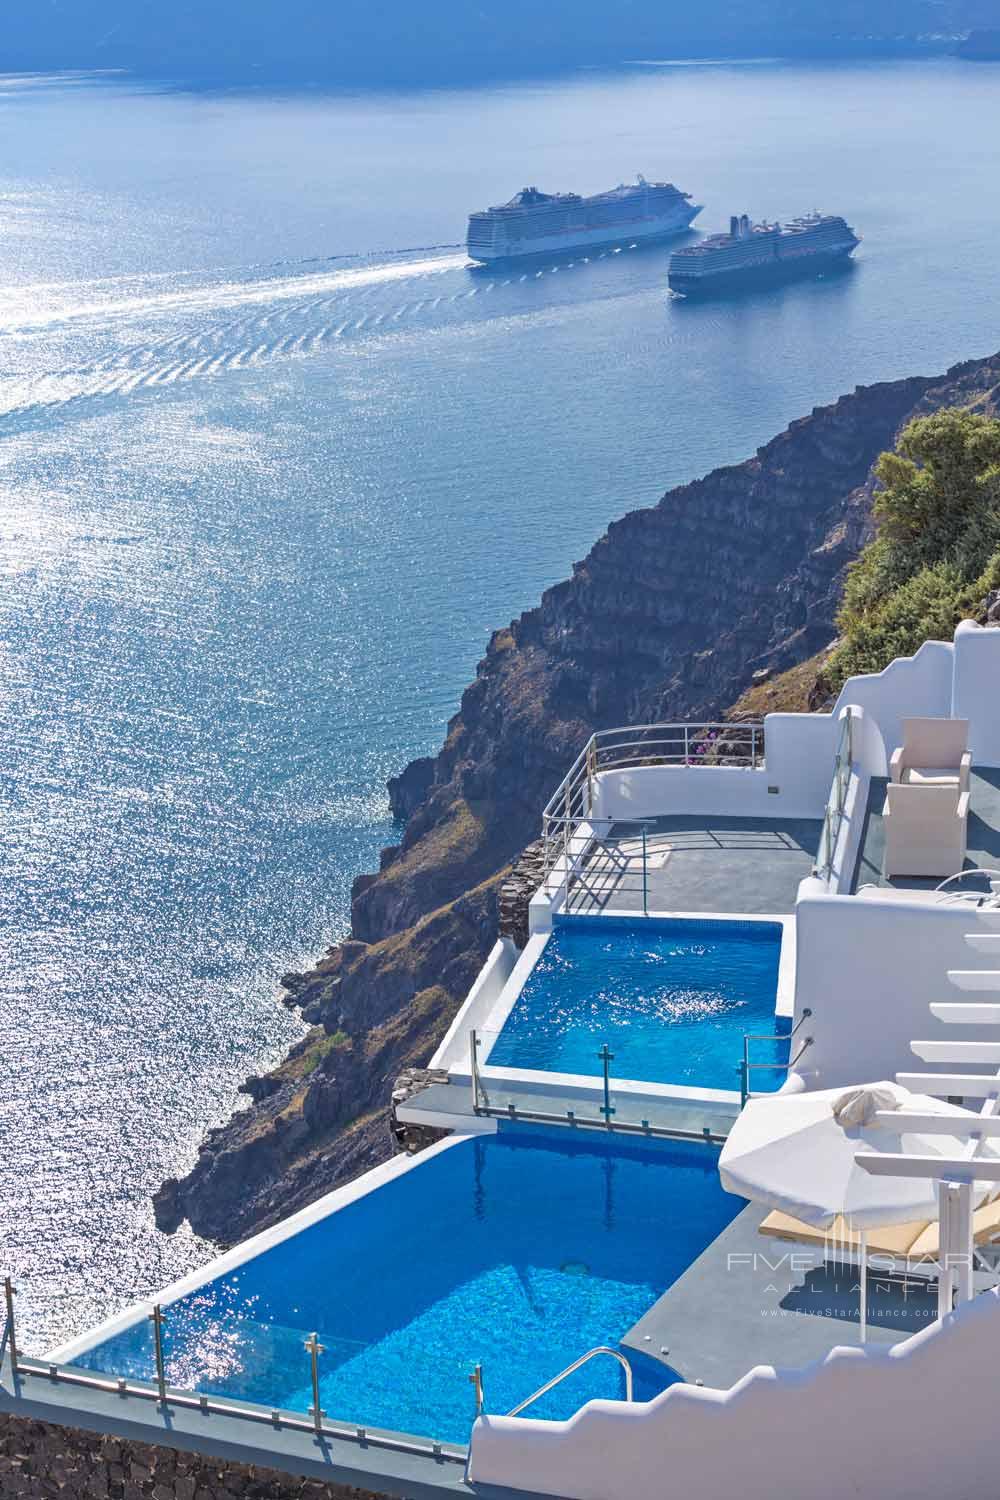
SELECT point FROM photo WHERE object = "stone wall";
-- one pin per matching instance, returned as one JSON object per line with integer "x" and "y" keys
{"x": 38, "y": 1459}
{"x": 517, "y": 889}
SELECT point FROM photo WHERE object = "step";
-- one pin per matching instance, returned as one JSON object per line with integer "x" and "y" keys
{"x": 945, "y": 1085}
{"x": 974, "y": 1013}
{"x": 983, "y": 942}
{"x": 957, "y": 1052}
{"x": 975, "y": 979}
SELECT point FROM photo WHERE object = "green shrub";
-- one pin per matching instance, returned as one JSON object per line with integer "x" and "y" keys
{"x": 936, "y": 550}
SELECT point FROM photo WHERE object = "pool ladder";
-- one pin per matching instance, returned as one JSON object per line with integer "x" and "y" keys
{"x": 570, "y": 1369}
{"x": 747, "y": 1067}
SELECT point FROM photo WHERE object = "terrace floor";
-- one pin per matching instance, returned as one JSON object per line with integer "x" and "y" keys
{"x": 983, "y": 847}
{"x": 696, "y": 863}
{"x": 752, "y": 1300}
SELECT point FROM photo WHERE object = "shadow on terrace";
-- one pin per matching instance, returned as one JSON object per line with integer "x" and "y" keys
{"x": 698, "y": 863}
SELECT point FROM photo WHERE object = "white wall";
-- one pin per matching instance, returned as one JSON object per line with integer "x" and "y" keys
{"x": 976, "y": 690}
{"x": 917, "y": 686}
{"x": 918, "y": 1420}
{"x": 485, "y": 993}
{"x": 868, "y": 971}
{"x": 799, "y": 748}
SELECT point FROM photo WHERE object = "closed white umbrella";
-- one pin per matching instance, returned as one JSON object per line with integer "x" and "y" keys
{"x": 795, "y": 1152}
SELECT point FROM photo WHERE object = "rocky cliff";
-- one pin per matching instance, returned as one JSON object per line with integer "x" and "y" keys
{"x": 668, "y": 617}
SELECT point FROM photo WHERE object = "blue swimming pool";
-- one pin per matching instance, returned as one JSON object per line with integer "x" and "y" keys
{"x": 672, "y": 998}
{"x": 520, "y": 1251}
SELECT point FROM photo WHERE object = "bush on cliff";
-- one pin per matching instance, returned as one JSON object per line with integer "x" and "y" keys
{"x": 936, "y": 551}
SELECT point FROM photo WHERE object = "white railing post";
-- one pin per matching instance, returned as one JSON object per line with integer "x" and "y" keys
{"x": 963, "y": 1244}
{"x": 946, "y": 1269}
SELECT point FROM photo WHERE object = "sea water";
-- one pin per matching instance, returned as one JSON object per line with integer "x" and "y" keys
{"x": 273, "y": 463}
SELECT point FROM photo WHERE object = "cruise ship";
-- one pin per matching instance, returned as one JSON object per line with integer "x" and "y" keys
{"x": 752, "y": 253}
{"x": 537, "y": 223}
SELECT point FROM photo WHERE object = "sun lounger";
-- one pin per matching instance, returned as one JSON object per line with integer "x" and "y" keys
{"x": 913, "y": 1243}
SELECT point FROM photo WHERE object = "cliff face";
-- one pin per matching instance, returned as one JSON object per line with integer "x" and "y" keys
{"x": 668, "y": 617}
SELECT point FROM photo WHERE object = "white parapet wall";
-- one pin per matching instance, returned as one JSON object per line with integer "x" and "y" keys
{"x": 918, "y": 686}
{"x": 976, "y": 689}
{"x": 472, "y": 1015}
{"x": 794, "y": 783}
{"x": 869, "y": 970}
{"x": 916, "y": 1420}
{"x": 944, "y": 679}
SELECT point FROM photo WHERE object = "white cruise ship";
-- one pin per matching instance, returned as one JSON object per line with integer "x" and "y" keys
{"x": 537, "y": 223}
{"x": 761, "y": 252}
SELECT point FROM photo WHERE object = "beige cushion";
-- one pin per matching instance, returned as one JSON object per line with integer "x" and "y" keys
{"x": 934, "y": 742}
{"x": 896, "y": 1240}
{"x": 905, "y": 1241}
{"x": 929, "y": 776}
{"x": 925, "y": 828}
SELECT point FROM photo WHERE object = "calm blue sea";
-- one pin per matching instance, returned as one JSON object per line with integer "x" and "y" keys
{"x": 273, "y": 462}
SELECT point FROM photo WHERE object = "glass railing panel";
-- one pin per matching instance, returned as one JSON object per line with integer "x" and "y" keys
{"x": 394, "y": 1381}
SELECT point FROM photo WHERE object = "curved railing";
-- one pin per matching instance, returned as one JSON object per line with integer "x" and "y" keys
{"x": 571, "y": 1369}
{"x": 628, "y": 748}
{"x": 988, "y": 898}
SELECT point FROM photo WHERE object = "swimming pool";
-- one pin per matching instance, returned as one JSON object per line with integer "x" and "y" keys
{"x": 672, "y": 997}
{"x": 520, "y": 1251}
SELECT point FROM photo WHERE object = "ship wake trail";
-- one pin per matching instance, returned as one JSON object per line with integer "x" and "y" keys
{"x": 165, "y": 336}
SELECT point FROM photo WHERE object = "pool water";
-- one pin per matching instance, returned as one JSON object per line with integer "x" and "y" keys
{"x": 520, "y": 1251}
{"x": 673, "y": 999}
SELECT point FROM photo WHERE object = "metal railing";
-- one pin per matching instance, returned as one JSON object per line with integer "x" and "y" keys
{"x": 606, "y": 1116}
{"x": 635, "y": 745}
{"x": 550, "y": 1385}
{"x": 746, "y": 1066}
{"x": 947, "y": 892}
{"x": 833, "y": 818}
{"x": 7, "y": 1343}
{"x": 165, "y": 1396}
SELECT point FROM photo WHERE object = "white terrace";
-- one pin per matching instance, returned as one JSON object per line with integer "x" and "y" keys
{"x": 894, "y": 856}
{"x": 784, "y": 820}
{"x": 815, "y": 828}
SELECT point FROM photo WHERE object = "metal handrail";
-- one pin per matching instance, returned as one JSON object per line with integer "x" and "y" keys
{"x": 570, "y": 1369}
{"x": 990, "y": 897}
{"x": 8, "y": 1341}
{"x": 632, "y": 745}
{"x": 747, "y": 1067}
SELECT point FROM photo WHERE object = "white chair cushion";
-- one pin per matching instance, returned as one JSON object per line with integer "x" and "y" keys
{"x": 930, "y": 776}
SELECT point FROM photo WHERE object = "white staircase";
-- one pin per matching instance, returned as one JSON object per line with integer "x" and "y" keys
{"x": 957, "y": 1175}
{"x": 983, "y": 1055}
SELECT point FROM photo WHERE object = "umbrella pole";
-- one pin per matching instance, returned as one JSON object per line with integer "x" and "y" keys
{"x": 863, "y": 1279}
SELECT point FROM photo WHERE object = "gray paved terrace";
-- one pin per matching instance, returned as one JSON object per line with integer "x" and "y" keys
{"x": 983, "y": 846}
{"x": 751, "y": 1300}
{"x": 694, "y": 863}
